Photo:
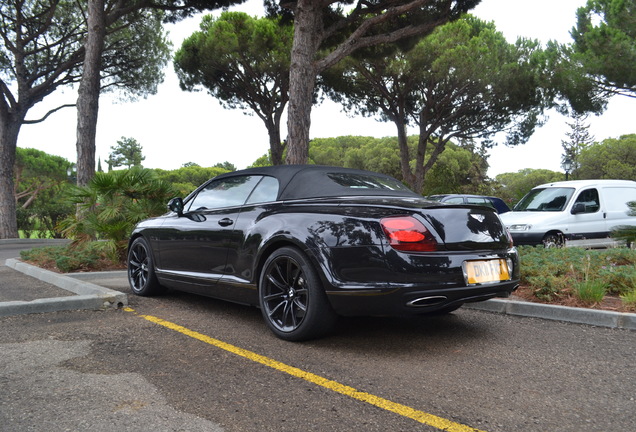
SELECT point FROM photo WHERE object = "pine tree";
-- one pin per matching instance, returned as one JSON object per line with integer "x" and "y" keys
{"x": 579, "y": 138}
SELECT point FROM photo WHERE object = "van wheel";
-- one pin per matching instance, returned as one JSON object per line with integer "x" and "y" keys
{"x": 553, "y": 240}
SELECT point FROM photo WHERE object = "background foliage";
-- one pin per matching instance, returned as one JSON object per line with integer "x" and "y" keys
{"x": 112, "y": 204}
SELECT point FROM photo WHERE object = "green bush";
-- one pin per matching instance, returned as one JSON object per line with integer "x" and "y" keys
{"x": 91, "y": 256}
{"x": 591, "y": 291}
{"x": 629, "y": 299}
{"x": 556, "y": 273}
{"x": 112, "y": 204}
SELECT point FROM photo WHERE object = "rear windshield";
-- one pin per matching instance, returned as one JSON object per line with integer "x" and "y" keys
{"x": 362, "y": 181}
{"x": 546, "y": 199}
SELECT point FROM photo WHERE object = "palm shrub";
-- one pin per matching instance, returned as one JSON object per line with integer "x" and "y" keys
{"x": 112, "y": 204}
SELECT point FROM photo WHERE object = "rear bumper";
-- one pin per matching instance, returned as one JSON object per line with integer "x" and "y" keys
{"x": 412, "y": 284}
{"x": 413, "y": 300}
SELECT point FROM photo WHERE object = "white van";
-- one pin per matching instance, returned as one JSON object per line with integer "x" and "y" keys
{"x": 571, "y": 210}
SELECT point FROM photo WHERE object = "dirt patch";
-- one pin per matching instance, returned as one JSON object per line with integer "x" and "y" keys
{"x": 610, "y": 302}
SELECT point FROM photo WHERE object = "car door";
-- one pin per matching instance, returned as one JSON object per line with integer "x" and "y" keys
{"x": 586, "y": 218}
{"x": 194, "y": 246}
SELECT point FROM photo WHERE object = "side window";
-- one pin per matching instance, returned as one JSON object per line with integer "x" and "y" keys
{"x": 266, "y": 191}
{"x": 227, "y": 192}
{"x": 589, "y": 198}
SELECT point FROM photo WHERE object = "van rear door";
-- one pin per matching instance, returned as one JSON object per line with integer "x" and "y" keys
{"x": 615, "y": 207}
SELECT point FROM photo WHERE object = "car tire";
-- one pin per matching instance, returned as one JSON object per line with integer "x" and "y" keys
{"x": 141, "y": 269}
{"x": 553, "y": 240}
{"x": 292, "y": 299}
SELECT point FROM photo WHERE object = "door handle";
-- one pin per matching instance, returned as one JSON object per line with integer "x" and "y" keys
{"x": 226, "y": 222}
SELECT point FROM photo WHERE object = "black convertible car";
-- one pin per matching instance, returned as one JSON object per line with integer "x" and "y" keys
{"x": 307, "y": 243}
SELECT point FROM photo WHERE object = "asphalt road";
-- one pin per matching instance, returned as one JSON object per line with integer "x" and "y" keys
{"x": 123, "y": 370}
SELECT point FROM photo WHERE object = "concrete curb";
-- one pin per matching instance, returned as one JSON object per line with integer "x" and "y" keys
{"x": 87, "y": 295}
{"x": 34, "y": 241}
{"x": 91, "y": 296}
{"x": 599, "y": 318}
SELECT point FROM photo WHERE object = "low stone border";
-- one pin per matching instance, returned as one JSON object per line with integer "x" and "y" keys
{"x": 91, "y": 296}
{"x": 87, "y": 295}
{"x": 600, "y": 318}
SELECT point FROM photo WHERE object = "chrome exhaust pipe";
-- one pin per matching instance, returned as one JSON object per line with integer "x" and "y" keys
{"x": 427, "y": 301}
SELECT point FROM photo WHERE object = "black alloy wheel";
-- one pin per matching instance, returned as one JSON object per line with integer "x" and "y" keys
{"x": 141, "y": 271}
{"x": 292, "y": 300}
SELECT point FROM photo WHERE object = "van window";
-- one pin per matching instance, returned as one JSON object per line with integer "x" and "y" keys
{"x": 589, "y": 199}
{"x": 616, "y": 198}
{"x": 547, "y": 199}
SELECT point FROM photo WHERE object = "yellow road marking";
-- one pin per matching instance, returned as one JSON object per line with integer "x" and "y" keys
{"x": 403, "y": 410}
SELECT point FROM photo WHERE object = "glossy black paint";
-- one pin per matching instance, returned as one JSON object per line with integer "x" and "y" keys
{"x": 221, "y": 252}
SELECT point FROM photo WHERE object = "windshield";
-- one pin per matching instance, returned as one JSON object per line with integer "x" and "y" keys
{"x": 548, "y": 199}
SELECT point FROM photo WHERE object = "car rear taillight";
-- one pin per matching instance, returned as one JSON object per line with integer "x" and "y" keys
{"x": 407, "y": 234}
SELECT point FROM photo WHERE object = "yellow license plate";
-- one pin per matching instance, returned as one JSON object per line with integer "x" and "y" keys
{"x": 486, "y": 271}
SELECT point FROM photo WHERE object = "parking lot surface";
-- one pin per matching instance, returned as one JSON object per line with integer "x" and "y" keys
{"x": 122, "y": 369}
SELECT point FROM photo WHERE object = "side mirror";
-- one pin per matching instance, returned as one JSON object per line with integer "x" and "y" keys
{"x": 578, "y": 208}
{"x": 176, "y": 205}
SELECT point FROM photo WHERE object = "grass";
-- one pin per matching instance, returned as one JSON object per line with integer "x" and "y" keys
{"x": 35, "y": 234}
{"x": 629, "y": 299}
{"x": 591, "y": 291}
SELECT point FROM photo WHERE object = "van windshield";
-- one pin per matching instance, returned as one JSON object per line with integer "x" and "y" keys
{"x": 546, "y": 199}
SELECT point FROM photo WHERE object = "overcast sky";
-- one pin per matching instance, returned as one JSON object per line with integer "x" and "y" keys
{"x": 175, "y": 127}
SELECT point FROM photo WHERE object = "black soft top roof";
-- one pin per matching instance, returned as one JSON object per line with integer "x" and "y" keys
{"x": 317, "y": 181}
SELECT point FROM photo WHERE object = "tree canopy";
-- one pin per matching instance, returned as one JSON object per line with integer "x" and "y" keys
{"x": 513, "y": 186}
{"x": 127, "y": 152}
{"x": 36, "y": 172}
{"x": 188, "y": 178}
{"x": 244, "y": 63}
{"x": 43, "y": 49}
{"x": 324, "y": 34}
{"x": 461, "y": 82}
{"x": 579, "y": 138}
{"x": 460, "y": 169}
{"x": 40, "y": 182}
{"x": 612, "y": 158}
{"x": 605, "y": 43}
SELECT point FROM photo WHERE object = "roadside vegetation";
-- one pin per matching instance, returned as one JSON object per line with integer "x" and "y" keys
{"x": 603, "y": 279}
{"x": 579, "y": 277}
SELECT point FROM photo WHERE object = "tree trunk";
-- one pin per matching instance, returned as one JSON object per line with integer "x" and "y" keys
{"x": 302, "y": 78}
{"x": 275, "y": 145}
{"x": 88, "y": 93}
{"x": 405, "y": 156}
{"x": 9, "y": 130}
